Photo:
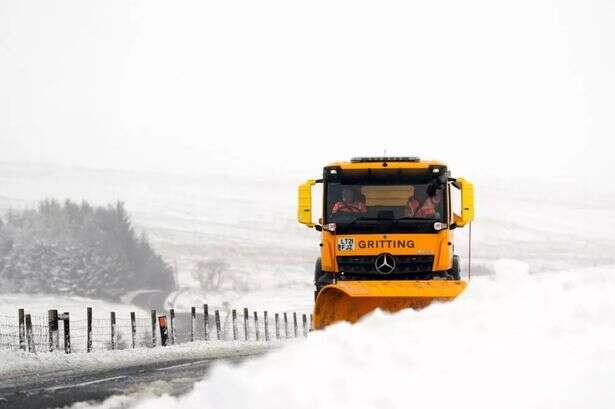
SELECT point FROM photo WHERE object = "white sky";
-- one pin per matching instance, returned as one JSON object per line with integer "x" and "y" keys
{"x": 191, "y": 85}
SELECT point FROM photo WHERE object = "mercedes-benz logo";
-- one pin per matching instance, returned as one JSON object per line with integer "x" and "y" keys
{"x": 385, "y": 263}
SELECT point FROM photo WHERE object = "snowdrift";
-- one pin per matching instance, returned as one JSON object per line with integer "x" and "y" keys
{"x": 14, "y": 364}
{"x": 513, "y": 340}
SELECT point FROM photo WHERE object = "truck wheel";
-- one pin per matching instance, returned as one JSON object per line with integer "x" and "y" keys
{"x": 455, "y": 272}
{"x": 321, "y": 278}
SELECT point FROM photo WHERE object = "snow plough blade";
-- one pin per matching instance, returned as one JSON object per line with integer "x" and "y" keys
{"x": 350, "y": 300}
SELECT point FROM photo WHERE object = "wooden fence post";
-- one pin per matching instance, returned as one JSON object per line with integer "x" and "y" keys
{"x": 277, "y": 326}
{"x": 245, "y": 323}
{"x": 88, "y": 341}
{"x": 286, "y": 325}
{"x": 234, "y": 325}
{"x": 218, "y": 329}
{"x": 21, "y": 318}
{"x": 192, "y": 320}
{"x": 172, "y": 323}
{"x": 29, "y": 335}
{"x": 52, "y": 324}
{"x": 205, "y": 322}
{"x": 305, "y": 328}
{"x": 153, "y": 317}
{"x": 66, "y": 321}
{"x": 164, "y": 332}
{"x": 256, "y": 331}
{"x": 295, "y": 326}
{"x": 113, "y": 330}
{"x": 266, "y": 326}
{"x": 311, "y": 323}
{"x": 133, "y": 329}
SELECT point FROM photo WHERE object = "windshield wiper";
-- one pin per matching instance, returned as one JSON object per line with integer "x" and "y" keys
{"x": 364, "y": 218}
{"x": 414, "y": 218}
{"x": 393, "y": 221}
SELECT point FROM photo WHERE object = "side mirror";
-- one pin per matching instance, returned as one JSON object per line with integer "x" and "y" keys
{"x": 318, "y": 227}
{"x": 467, "y": 202}
{"x": 304, "y": 203}
{"x": 452, "y": 226}
{"x": 457, "y": 220}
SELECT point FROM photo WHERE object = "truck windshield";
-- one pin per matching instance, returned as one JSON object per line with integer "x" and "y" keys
{"x": 373, "y": 208}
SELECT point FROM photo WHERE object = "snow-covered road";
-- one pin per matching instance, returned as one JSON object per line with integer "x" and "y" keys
{"x": 16, "y": 365}
{"x": 57, "y": 379}
{"x": 59, "y": 389}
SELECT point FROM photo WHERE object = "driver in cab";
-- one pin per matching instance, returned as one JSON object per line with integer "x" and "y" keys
{"x": 412, "y": 204}
{"x": 350, "y": 203}
{"x": 431, "y": 204}
{"x": 429, "y": 207}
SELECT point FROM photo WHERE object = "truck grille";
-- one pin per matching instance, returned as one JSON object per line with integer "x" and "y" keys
{"x": 406, "y": 267}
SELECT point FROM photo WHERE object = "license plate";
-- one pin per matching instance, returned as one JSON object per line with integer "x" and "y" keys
{"x": 345, "y": 244}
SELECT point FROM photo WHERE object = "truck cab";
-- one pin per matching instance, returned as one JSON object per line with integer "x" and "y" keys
{"x": 386, "y": 219}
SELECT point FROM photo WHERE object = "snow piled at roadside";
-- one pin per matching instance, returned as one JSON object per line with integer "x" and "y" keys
{"x": 17, "y": 363}
{"x": 38, "y": 304}
{"x": 513, "y": 340}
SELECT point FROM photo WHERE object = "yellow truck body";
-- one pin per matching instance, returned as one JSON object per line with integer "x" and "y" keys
{"x": 387, "y": 236}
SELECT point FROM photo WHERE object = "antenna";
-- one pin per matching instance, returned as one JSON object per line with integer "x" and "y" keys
{"x": 470, "y": 253}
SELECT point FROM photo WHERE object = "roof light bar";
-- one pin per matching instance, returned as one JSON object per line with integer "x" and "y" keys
{"x": 359, "y": 159}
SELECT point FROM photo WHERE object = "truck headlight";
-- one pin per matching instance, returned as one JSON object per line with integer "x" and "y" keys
{"x": 330, "y": 227}
{"x": 439, "y": 226}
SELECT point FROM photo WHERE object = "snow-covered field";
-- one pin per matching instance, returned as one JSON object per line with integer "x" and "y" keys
{"x": 249, "y": 222}
{"x": 534, "y": 329}
{"x": 513, "y": 340}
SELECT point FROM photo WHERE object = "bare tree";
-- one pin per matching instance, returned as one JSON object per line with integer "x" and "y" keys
{"x": 210, "y": 273}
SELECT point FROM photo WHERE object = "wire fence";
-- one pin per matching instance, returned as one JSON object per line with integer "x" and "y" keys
{"x": 9, "y": 332}
{"x": 39, "y": 334}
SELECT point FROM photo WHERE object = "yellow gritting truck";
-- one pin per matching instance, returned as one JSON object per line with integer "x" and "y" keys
{"x": 387, "y": 236}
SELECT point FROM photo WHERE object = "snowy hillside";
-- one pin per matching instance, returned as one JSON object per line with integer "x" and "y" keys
{"x": 249, "y": 222}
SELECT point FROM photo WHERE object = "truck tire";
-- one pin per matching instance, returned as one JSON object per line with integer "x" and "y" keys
{"x": 321, "y": 278}
{"x": 455, "y": 272}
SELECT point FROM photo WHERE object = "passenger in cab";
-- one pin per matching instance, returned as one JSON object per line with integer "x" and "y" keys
{"x": 412, "y": 205}
{"x": 430, "y": 206}
{"x": 350, "y": 203}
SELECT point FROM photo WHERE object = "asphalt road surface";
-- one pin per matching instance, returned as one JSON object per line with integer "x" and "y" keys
{"x": 57, "y": 390}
